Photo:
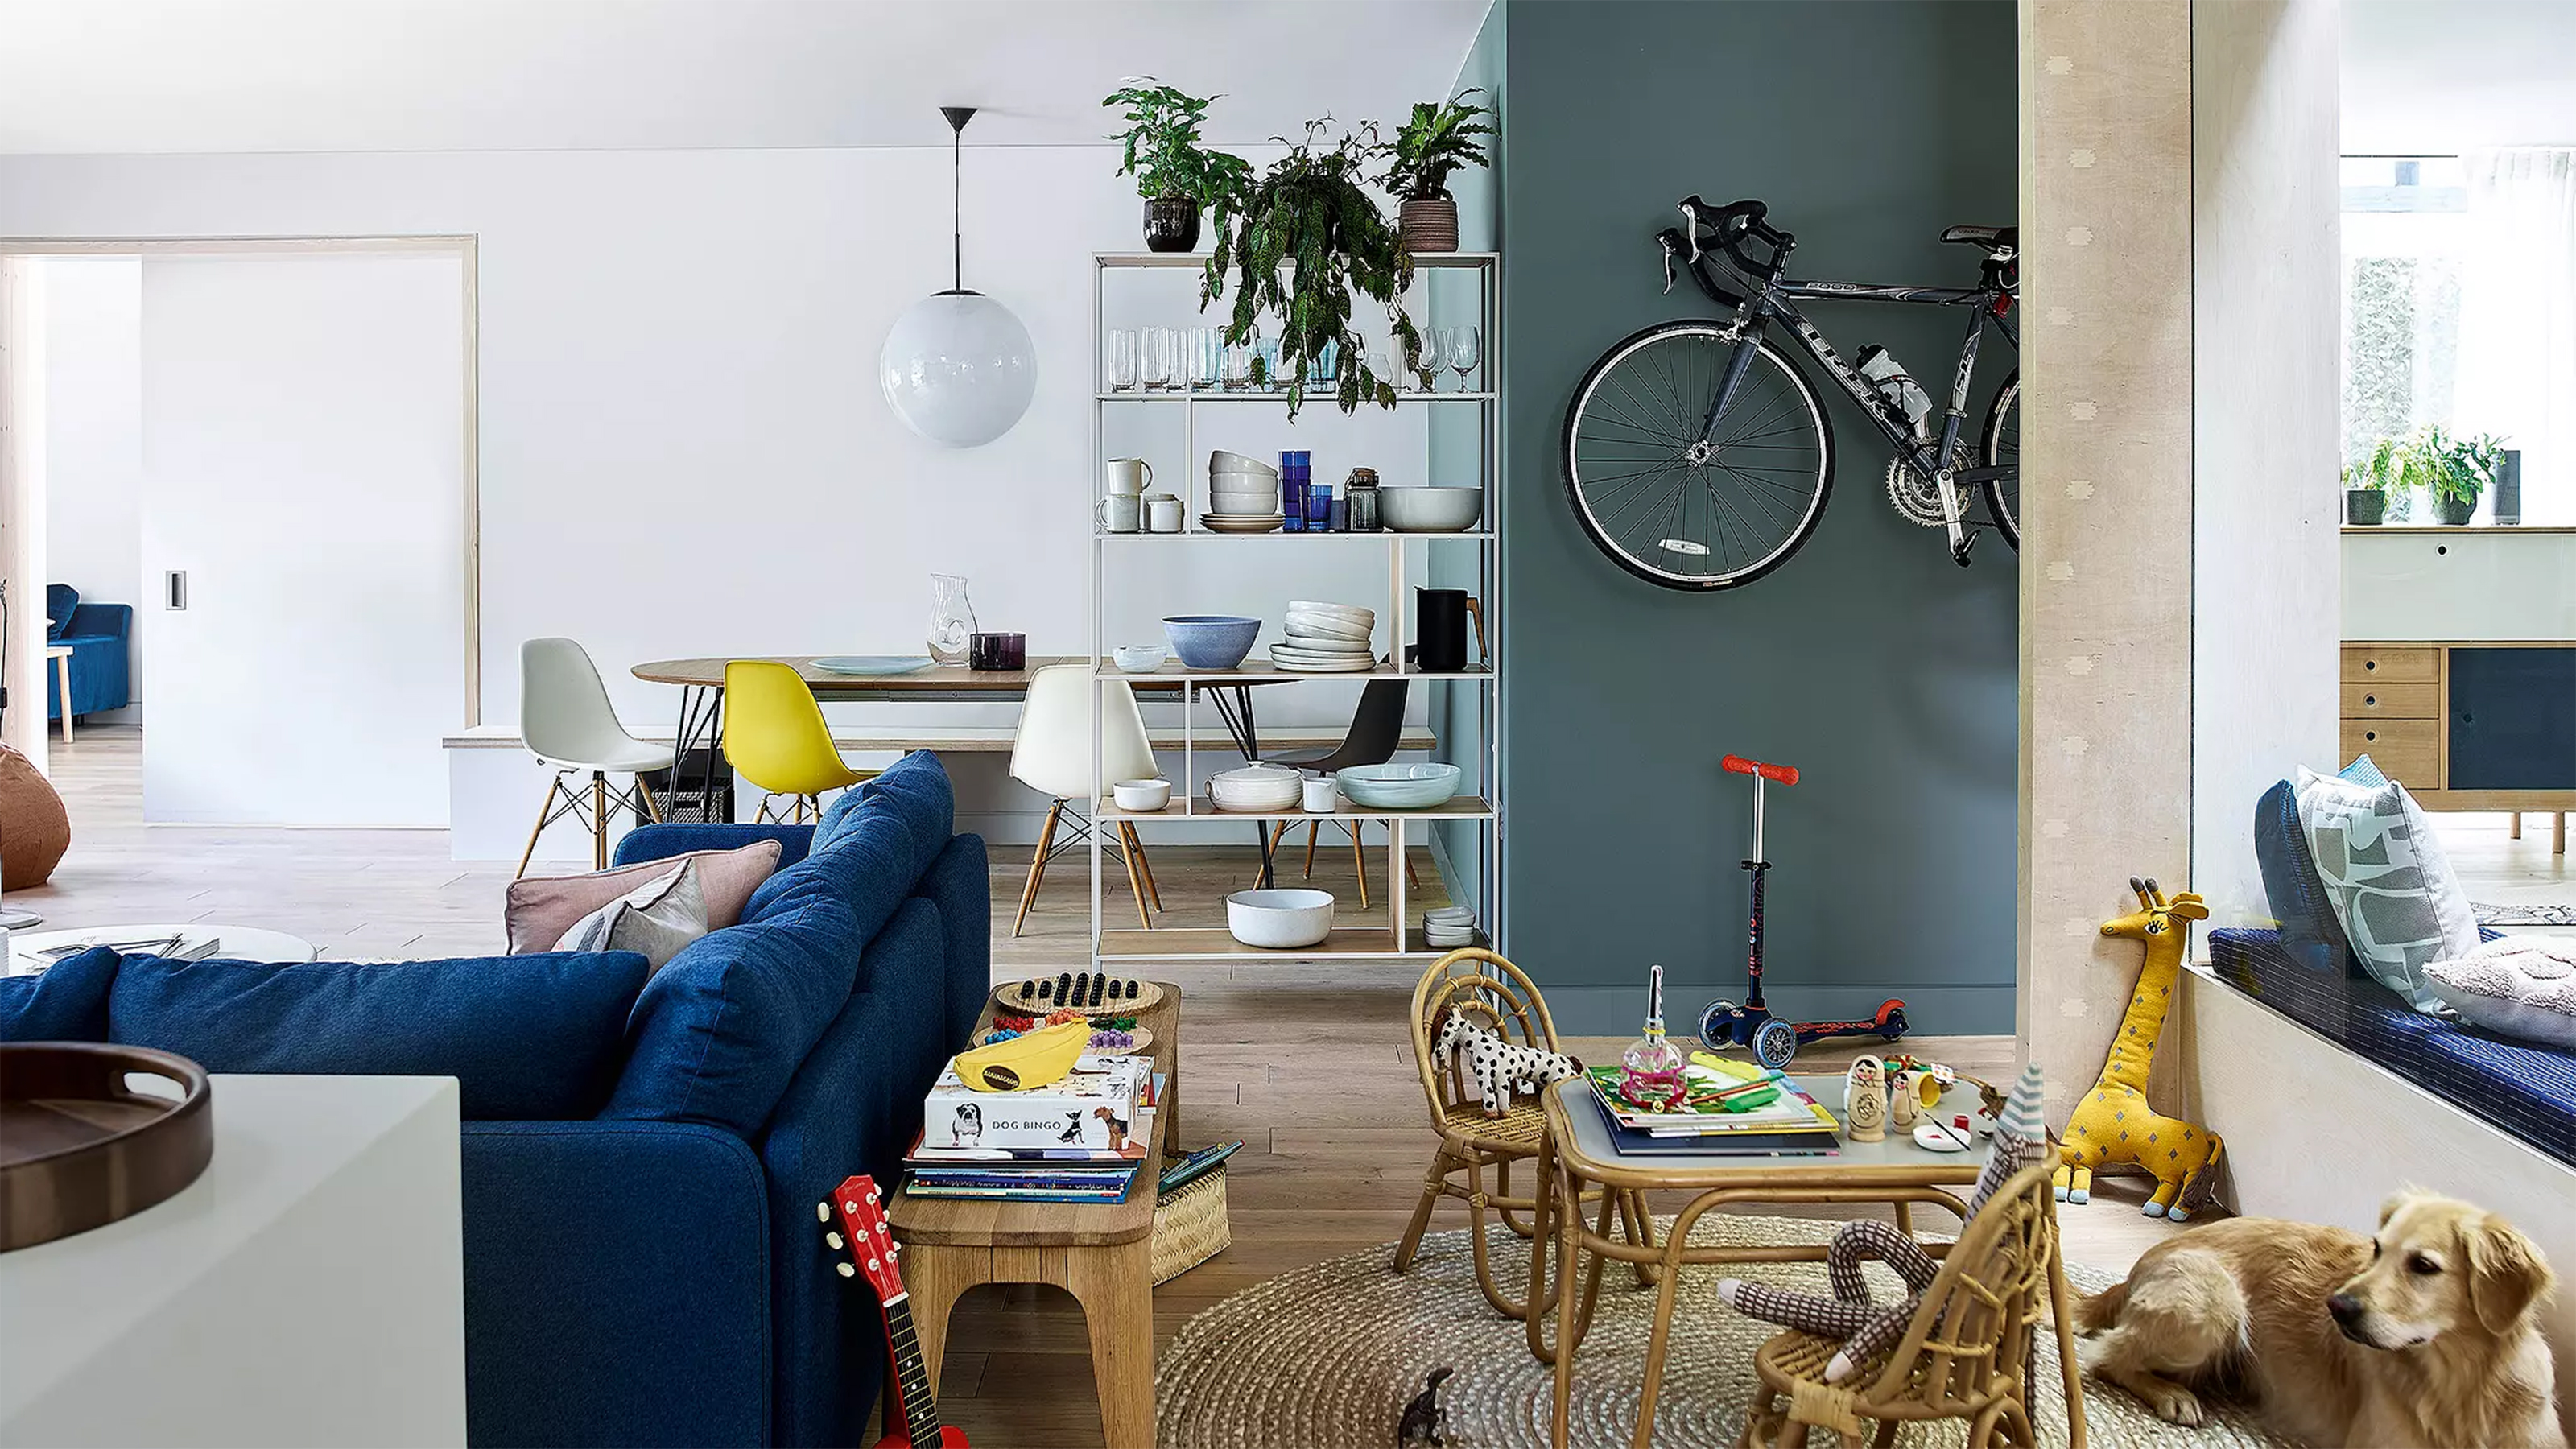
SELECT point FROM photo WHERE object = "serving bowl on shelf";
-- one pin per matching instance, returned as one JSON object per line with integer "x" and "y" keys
{"x": 1400, "y": 787}
{"x": 1221, "y": 461}
{"x": 1430, "y": 510}
{"x": 1211, "y": 641}
{"x": 1279, "y": 919}
{"x": 1141, "y": 794}
{"x": 1252, "y": 501}
{"x": 1257, "y": 788}
{"x": 1139, "y": 658}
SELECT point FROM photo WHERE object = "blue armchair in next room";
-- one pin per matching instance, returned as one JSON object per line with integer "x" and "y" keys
{"x": 97, "y": 634}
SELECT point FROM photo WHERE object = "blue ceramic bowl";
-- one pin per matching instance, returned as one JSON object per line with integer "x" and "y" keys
{"x": 1211, "y": 641}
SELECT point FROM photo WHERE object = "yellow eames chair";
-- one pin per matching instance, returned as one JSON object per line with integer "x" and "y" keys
{"x": 775, "y": 737}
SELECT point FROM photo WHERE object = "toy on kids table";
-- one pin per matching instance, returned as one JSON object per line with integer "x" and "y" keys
{"x": 1773, "y": 1041}
{"x": 1869, "y": 1329}
{"x": 1865, "y": 1100}
{"x": 1652, "y": 1069}
{"x": 2112, "y": 1125}
{"x": 1499, "y": 1067}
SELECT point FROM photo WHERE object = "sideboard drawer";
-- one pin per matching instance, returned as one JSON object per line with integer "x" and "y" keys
{"x": 2408, "y": 751}
{"x": 2392, "y": 701}
{"x": 2371, "y": 662}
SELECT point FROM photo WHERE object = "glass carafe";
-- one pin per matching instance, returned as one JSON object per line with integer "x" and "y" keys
{"x": 952, "y": 619}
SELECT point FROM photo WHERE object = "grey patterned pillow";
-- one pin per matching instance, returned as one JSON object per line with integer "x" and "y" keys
{"x": 2389, "y": 882}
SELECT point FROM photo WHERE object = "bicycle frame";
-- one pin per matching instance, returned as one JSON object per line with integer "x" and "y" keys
{"x": 1775, "y": 298}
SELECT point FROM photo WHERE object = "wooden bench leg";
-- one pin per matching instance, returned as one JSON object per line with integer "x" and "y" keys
{"x": 1115, "y": 1286}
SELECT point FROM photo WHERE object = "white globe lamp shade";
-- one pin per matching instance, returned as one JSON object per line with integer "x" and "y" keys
{"x": 958, "y": 369}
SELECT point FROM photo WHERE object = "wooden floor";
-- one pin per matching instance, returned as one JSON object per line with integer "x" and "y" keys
{"x": 1310, "y": 1066}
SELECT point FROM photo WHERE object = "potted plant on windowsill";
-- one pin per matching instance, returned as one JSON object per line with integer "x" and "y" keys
{"x": 1306, "y": 235}
{"x": 2455, "y": 471}
{"x": 2367, "y": 484}
{"x": 1174, "y": 173}
{"x": 1432, "y": 145}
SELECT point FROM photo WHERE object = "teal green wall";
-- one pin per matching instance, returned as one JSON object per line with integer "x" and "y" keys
{"x": 1869, "y": 661}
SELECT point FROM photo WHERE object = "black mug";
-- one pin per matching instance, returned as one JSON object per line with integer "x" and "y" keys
{"x": 991, "y": 652}
{"x": 1440, "y": 629}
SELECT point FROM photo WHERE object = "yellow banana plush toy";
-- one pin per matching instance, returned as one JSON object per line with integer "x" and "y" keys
{"x": 1031, "y": 1059}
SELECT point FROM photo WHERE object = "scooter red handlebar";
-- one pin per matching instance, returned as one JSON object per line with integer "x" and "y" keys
{"x": 1777, "y": 774}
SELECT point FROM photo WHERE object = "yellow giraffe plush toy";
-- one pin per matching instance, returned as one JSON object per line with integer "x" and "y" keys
{"x": 2113, "y": 1123}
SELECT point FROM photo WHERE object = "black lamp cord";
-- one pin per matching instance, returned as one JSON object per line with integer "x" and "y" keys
{"x": 957, "y": 116}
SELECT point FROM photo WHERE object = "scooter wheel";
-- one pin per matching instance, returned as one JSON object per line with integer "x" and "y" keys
{"x": 1775, "y": 1045}
{"x": 1717, "y": 1024}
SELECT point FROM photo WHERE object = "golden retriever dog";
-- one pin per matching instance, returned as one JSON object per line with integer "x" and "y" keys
{"x": 2418, "y": 1337}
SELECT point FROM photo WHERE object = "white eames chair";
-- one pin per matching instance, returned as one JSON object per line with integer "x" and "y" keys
{"x": 1052, "y": 755}
{"x": 566, "y": 721}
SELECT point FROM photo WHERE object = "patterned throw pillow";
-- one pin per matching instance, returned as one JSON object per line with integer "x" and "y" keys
{"x": 2521, "y": 986}
{"x": 2391, "y": 886}
{"x": 657, "y": 919}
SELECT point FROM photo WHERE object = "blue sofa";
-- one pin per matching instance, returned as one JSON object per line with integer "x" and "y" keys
{"x": 641, "y": 1158}
{"x": 101, "y": 670}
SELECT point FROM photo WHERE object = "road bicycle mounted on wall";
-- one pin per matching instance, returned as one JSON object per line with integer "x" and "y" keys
{"x": 1698, "y": 455}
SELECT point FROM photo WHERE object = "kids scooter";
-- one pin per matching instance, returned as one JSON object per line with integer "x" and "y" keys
{"x": 1773, "y": 1041}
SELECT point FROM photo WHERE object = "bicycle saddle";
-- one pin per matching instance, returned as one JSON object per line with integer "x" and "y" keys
{"x": 1989, "y": 237}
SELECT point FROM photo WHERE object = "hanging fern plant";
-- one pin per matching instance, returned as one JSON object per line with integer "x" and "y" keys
{"x": 1306, "y": 236}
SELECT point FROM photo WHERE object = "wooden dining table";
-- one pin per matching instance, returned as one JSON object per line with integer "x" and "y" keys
{"x": 701, "y": 685}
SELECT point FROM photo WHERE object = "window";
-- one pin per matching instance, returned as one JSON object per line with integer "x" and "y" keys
{"x": 2404, "y": 230}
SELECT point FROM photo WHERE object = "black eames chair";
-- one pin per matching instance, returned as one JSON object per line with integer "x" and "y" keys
{"x": 1377, "y": 730}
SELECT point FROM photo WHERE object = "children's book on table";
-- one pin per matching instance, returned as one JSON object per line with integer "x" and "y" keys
{"x": 1720, "y": 1112}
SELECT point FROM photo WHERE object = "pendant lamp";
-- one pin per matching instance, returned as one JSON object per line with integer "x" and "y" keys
{"x": 957, "y": 366}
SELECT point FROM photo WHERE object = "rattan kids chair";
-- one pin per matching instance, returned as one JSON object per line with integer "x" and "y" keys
{"x": 1494, "y": 994}
{"x": 1967, "y": 1355}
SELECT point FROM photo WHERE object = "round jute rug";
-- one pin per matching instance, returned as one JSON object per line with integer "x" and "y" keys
{"x": 1329, "y": 1355}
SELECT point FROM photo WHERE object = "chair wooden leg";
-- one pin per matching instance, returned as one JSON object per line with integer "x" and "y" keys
{"x": 1476, "y": 1206}
{"x": 1359, "y": 863}
{"x": 1135, "y": 882}
{"x": 539, "y": 828}
{"x": 1037, "y": 864}
{"x": 1441, "y": 1166}
{"x": 1313, "y": 829}
{"x": 2513, "y": 826}
{"x": 1412, "y": 877}
{"x": 1279, "y": 835}
{"x": 1144, "y": 865}
{"x": 652, "y": 807}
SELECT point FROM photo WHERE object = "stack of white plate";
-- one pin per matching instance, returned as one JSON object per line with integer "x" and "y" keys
{"x": 1449, "y": 927}
{"x": 1257, "y": 788}
{"x": 1243, "y": 495}
{"x": 1326, "y": 639}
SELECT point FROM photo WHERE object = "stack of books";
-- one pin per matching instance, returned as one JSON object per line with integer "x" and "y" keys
{"x": 1725, "y": 1110}
{"x": 1079, "y": 1139}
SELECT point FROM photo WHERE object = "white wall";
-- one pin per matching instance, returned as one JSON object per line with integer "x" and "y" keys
{"x": 2432, "y": 77}
{"x": 94, "y": 437}
{"x": 684, "y": 451}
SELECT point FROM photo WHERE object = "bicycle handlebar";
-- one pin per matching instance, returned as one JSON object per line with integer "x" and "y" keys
{"x": 1777, "y": 774}
{"x": 1729, "y": 225}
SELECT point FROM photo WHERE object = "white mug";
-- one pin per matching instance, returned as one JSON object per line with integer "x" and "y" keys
{"x": 1121, "y": 513}
{"x": 1322, "y": 795}
{"x": 1129, "y": 476}
{"x": 1163, "y": 515}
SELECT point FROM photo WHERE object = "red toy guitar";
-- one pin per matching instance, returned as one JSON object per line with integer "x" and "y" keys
{"x": 865, "y": 1233}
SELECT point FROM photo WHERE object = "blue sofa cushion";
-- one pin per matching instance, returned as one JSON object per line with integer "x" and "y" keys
{"x": 663, "y": 841}
{"x": 719, "y": 1032}
{"x": 2310, "y": 930}
{"x": 66, "y": 1002}
{"x": 60, "y": 601}
{"x": 915, "y": 789}
{"x": 534, "y": 1037}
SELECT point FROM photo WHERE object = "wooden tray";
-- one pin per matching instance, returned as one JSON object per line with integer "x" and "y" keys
{"x": 1147, "y": 993}
{"x": 79, "y": 1149}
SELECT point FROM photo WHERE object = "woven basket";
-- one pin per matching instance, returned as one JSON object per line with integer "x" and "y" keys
{"x": 1190, "y": 1226}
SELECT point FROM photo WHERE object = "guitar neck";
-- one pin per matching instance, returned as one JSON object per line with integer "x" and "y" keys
{"x": 911, "y": 1386}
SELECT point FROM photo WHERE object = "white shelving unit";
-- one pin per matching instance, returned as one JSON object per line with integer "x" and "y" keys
{"x": 1387, "y": 933}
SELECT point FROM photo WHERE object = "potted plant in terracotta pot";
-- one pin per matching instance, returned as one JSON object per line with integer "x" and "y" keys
{"x": 1174, "y": 173}
{"x": 2455, "y": 470}
{"x": 2367, "y": 484}
{"x": 1439, "y": 138}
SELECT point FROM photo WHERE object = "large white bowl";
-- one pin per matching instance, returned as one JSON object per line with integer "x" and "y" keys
{"x": 1351, "y": 613}
{"x": 1399, "y": 787}
{"x": 1430, "y": 510}
{"x": 1141, "y": 794}
{"x": 1221, "y": 461}
{"x": 1257, "y": 787}
{"x": 1259, "y": 504}
{"x": 1280, "y": 919}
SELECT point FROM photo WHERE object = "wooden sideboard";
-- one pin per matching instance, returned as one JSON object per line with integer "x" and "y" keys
{"x": 2468, "y": 725}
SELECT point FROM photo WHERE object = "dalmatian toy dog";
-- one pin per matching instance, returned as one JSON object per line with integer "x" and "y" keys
{"x": 1499, "y": 1067}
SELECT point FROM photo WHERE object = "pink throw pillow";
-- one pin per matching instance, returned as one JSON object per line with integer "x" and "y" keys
{"x": 541, "y": 910}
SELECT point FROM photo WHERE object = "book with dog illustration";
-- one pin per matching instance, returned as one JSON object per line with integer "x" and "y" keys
{"x": 1103, "y": 1106}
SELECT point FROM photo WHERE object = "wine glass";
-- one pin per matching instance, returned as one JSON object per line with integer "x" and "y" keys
{"x": 1434, "y": 357}
{"x": 1466, "y": 349}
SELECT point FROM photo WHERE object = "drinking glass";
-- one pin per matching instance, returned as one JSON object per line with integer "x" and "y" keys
{"x": 1122, "y": 360}
{"x": 1158, "y": 358}
{"x": 1435, "y": 356}
{"x": 1466, "y": 349}
{"x": 1238, "y": 367}
{"x": 1205, "y": 351}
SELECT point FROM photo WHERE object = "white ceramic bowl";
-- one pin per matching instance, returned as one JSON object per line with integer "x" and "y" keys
{"x": 1257, "y": 787}
{"x": 1281, "y": 919}
{"x": 1141, "y": 794}
{"x": 1225, "y": 485}
{"x": 1244, "y": 505}
{"x": 1349, "y": 613}
{"x": 1430, "y": 510}
{"x": 1221, "y": 461}
{"x": 1400, "y": 787}
{"x": 1140, "y": 658}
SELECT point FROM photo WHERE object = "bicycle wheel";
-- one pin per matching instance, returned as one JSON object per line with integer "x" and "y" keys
{"x": 1676, "y": 507}
{"x": 2003, "y": 450}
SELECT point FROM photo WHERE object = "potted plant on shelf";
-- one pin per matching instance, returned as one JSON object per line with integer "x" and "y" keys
{"x": 2367, "y": 484}
{"x": 2455, "y": 470}
{"x": 1305, "y": 237}
{"x": 1174, "y": 173}
{"x": 1438, "y": 140}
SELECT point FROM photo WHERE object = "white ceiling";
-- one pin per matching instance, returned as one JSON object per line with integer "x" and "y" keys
{"x": 409, "y": 75}
{"x": 2430, "y": 77}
